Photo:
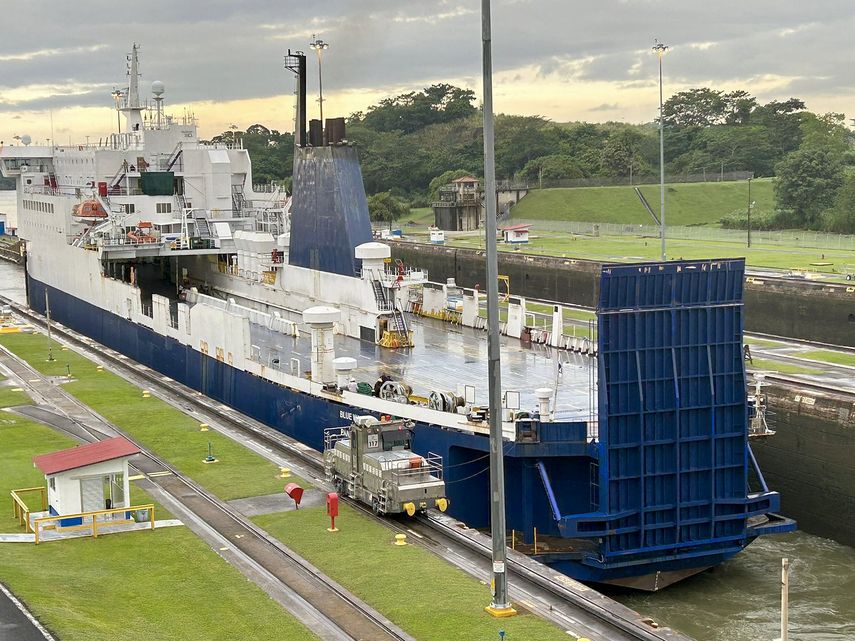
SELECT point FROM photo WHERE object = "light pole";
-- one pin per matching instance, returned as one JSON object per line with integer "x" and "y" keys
{"x": 660, "y": 50}
{"x": 750, "y": 204}
{"x": 499, "y": 606}
{"x": 319, "y": 45}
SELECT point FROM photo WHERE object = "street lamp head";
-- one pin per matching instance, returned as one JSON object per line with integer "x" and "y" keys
{"x": 659, "y": 48}
{"x": 318, "y": 44}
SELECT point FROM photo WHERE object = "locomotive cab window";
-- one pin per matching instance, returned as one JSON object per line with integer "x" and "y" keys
{"x": 396, "y": 440}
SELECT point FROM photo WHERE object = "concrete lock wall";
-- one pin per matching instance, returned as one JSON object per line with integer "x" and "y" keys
{"x": 565, "y": 280}
{"x": 809, "y": 460}
{"x": 811, "y": 311}
{"x": 798, "y": 309}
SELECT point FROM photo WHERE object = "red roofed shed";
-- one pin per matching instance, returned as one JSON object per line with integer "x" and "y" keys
{"x": 83, "y": 455}
{"x": 88, "y": 478}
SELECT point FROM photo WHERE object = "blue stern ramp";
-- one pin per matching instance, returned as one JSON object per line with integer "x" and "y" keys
{"x": 672, "y": 462}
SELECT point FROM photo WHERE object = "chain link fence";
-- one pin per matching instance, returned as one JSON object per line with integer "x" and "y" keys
{"x": 791, "y": 238}
{"x": 622, "y": 181}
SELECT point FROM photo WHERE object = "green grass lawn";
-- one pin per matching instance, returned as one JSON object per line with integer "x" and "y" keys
{"x": 783, "y": 368}
{"x": 685, "y": 203}
{"x": 9, "y": 397}
{"x": 22, "y": 440}
{"x": 635, "y": 249}
{"x": 759, "y": 342}
{"x": 828, "y": 356}
{"x": 165, "y": 585}
{"x": 423, "y": 594}
{"x": 421, "y": 216}
{"x": 157, "y": 425}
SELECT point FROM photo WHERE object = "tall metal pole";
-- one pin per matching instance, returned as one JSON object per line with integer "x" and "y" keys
{"x": 660, "y": 49}
{"x": 749, "y": 212}
{"x": 320, "y": 85}
{"x": 785, "y": 599}
{"x": 319, "y": 45}
{"x": 49, "y": 337}
{"x": 499, "y": 606}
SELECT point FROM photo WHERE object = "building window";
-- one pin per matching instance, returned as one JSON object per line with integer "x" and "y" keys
{"x": 129, "y": 208}
{"x": 52, "y": 482}
{"x": 164, "y": 208}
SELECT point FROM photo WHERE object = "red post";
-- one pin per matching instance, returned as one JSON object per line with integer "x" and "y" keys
{"x": 332, "y": 510}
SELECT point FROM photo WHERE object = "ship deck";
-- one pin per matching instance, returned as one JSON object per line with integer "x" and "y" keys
{"x": 446, "y": 356}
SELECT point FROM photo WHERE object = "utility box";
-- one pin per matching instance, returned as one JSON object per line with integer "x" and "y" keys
{"x": 332, "y": 504}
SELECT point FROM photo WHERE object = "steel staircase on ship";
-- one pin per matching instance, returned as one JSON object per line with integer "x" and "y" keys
{"x": 397, "y": 332}
{"x": 380, "y": 296}
{"x": 203, "y": 225}
{"x": 238, "y": 199}
{"x": 174, "y": 157}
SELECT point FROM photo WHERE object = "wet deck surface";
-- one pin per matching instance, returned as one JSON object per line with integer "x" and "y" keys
{"x": 446, "y": 356}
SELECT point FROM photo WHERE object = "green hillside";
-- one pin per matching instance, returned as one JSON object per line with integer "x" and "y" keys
{"x": 685, "y": 203}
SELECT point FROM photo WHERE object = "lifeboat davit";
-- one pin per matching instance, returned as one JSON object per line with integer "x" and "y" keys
{"x": 89, "y": 210}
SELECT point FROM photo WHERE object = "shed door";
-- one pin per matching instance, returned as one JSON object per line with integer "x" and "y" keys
{"x": 92, "y": 494}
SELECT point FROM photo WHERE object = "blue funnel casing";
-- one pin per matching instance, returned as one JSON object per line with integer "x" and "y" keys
{"x": 329, "y": 212}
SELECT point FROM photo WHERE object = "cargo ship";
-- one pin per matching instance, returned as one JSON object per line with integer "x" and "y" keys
{"x": 627, "y": 458}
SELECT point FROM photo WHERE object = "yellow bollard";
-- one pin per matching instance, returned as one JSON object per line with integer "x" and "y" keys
{"x": 400, "y": 539}
{"x": 146, "y": 394}
{"x": 284, "y": 473}
{"x": 203, "y": 427}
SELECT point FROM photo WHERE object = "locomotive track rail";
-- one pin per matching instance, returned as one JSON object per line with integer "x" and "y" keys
{"x": 576, "y": 608}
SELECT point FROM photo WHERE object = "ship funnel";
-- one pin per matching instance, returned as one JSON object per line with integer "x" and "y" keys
{"x": 321, "y": 320}
{"x": 543, "y": 394}
{"x": 296, "y": 63}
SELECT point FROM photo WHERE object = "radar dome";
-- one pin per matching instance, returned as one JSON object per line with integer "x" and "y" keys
{"x": 157, "y": 88}
{"x": 26, "y": 139}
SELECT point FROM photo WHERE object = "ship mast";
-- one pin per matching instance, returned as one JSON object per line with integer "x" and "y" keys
{"x": 131, "y": 106}
{"x": 500, "y": 606}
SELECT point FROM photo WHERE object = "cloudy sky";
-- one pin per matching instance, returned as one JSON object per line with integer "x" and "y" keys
{"x": 563, "y": 59}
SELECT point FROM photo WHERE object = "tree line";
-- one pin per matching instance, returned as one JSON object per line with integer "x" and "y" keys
{"x": 411, "y": 144}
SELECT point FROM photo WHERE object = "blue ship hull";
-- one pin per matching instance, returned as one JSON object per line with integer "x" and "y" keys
{"x": 548, "y": 482}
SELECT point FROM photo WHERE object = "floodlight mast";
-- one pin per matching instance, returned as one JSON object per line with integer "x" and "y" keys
{"x": 660, "y": 50}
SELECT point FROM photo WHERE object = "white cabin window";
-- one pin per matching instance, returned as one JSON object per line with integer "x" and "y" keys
{"x": 164, "y": 208}
{"x": 129, "y": 208}
{"x": 52, "y": 483}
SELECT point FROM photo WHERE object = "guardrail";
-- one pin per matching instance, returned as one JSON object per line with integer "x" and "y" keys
{"x": 94, "y": 523}
{"x": 20, "y": 508}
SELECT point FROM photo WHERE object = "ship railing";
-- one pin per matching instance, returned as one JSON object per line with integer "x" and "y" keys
{"x": 416, "y": 469}
{"x": 333, "y": 435}
{"x": 45, "y": 190}
{"x": 115, "y": 241}
{"x": 124, "y": 191}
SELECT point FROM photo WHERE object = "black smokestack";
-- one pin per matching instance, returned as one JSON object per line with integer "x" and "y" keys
{"x": 296, "y": 62}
